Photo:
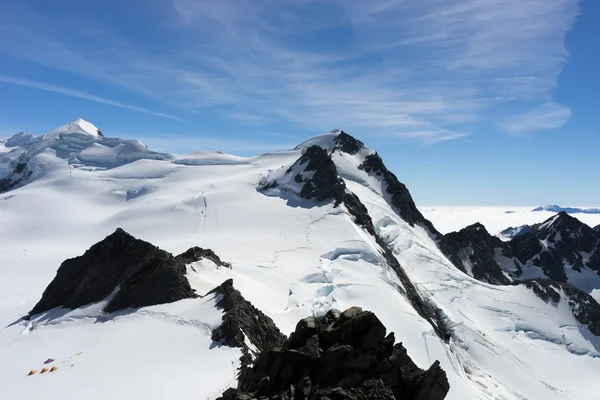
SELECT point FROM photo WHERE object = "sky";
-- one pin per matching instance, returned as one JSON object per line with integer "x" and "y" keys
{"x": 469, "y": 102}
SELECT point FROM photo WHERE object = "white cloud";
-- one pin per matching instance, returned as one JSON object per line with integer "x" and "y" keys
{"x": 427, "y": 70}
{"x": 81, "y": 95}
{"x": 546, "y": 116}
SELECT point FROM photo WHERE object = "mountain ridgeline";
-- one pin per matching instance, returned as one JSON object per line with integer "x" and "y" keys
{"x": 335, "y": 183}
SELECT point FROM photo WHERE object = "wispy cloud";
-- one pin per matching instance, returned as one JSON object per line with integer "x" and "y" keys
{"x": 81, "y": 95}
{"x": 431, "y": 70}
{"x": 546, "y": 116}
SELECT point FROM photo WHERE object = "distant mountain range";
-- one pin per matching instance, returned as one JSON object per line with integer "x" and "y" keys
{"x": 569, "y": 210}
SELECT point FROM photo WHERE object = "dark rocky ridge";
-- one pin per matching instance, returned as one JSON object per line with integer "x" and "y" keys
{"x": 327, "y": 185}
{"x": 339, "y": 356}
{"x": 241, "y": 317}
{"x": 348, "y": 144}
{"x": 137, "y": 272}
{"x": 400, "y": 198}
{"x": 476, "y": 246}
{"x": 597, "y": 230}
{"x": 196, "y": 253}
{"x": 547, "y": 246}
{"x": 566, "y": 238}
{"x": 584, "y": 307}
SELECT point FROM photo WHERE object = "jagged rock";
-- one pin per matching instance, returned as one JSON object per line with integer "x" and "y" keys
{"x": 597, "y": 229}
{"x": 472, "y": 250}
{"x": 584, "y": 307}
{"x": 242, "y": 318}
{"x": 140, "y": 273}
{"x": 354, "y": 360}
{"x": 400, "y": 197}
{"x": 347, "y": 144}
{"x": 557, "y": 240}
{"x": 323, "y": 183}
{"x": 196, "y": 253}
{"x": 556, "y": 244}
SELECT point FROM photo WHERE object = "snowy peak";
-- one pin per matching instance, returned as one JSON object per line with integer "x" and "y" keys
{"x": 76, "y": 127}
{"x": 569, "y": 230}
{"x": 325, "y": 141}
{"x": 358, "y": 163}
{"x": 78, "y": 143}
{"x": 513, "y": 232}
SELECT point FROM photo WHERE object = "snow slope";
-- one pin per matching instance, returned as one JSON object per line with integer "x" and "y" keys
{"x": 290, "y": 259}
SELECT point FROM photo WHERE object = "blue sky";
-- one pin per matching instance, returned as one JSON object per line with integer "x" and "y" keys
{"x": 469, "y": 102}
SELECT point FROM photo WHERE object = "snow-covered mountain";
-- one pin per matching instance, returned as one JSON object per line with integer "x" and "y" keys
{"x": 570, "y": 210}
{"x": 79, "y": 144}
{"x": 300, "y": 233}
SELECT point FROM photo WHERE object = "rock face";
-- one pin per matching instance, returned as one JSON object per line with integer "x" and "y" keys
{"x": 585, "y": 309}
{"x": 555, "y": 246}
{"x": 325, "y": 184}
{"x": 196, "y": 253}
{"x": 472, "y": 250}
{"x": 316, "y": 171}
{"x": 339, "y": 356}
{"x": 399, "y": 196}
{"x": 138, "y": 273}
{"x": 597, "y": 230}
{"x": 348, "y": 144}
{"x": 559, "y": 240}
{"x": 242, "y": 320}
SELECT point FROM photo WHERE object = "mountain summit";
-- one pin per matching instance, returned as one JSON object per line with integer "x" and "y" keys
{"x": 78, "y": 143}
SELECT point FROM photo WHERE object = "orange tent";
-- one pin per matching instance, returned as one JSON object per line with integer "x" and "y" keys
{"x": 32, "y": 372}
{"x": 53, "y": 368}
{"x": 44, "y": 370}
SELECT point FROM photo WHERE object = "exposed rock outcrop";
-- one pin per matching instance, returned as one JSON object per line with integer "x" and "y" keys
{"x": 473, "y": 251}
{"x": 339, "y": 356}
{"x": 558, "y": 245}
{"x": 136, "y": 273}
{"x": 559, "y": 240}
{"x": 399, "y": 196}
{"x": 317, "y": 172}
{"x": 242, "y": 320}
{"x": 585, "y": 309}
{"x": 196, "y": 253}
{"x": 347, "y": 144}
